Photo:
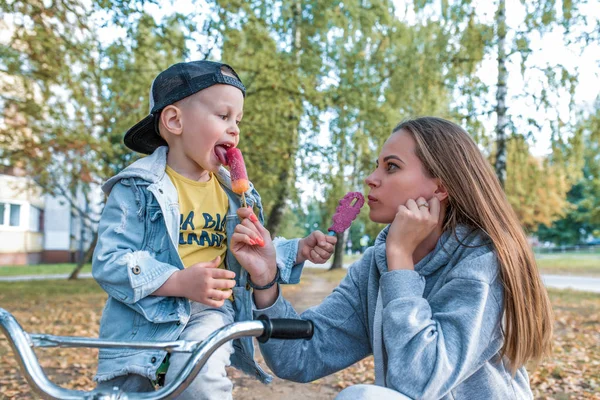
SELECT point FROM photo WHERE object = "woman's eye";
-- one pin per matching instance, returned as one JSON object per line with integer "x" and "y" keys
{"x": 237, "y": 122}
{"x": 223, "y": 117}
{"x": 391, "y": 167}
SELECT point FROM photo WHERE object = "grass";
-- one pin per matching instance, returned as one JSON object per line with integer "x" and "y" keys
{"x": 573, "y": 296}
{"x": 40, "y": 269}
{"x": 33, "y": 290}
{"x": 582, "y": 250}
{"x": 569, "y": 264}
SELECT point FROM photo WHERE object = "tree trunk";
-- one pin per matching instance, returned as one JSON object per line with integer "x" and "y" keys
{"x": 85, "y": 259}
{"x": 276, "y": 215}
{"x": 502, "y": 119}
{"x": 338, "y": 253}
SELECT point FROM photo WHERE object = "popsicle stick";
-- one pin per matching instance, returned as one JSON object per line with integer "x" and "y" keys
{"x": 244, "y": 200}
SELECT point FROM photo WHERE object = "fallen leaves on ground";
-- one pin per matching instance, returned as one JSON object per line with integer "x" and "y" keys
{"x": 77, "y": 315}
{"x": 572, "y": 372}
{"x": 573, "y": 369}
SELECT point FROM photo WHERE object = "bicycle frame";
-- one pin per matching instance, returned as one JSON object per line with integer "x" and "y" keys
{"x": 23, "y": 343}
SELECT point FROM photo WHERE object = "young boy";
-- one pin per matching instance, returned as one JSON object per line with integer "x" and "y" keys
{"x": 163, "y": 237}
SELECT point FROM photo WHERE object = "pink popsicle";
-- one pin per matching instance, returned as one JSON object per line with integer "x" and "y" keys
{"x": 239, "y": 177}
{"x": 346, "y": 211}
{"x": 237, "y": 168}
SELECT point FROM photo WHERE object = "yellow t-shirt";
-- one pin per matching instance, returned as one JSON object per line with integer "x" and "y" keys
{"x": 203, "y": 209}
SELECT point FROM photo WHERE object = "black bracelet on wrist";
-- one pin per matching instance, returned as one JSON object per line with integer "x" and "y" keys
{"x": 267, "y": 286}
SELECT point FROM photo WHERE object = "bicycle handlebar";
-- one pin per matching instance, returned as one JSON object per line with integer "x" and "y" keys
{"x": 23, "y": 343}
{"x": 285, "y": 329}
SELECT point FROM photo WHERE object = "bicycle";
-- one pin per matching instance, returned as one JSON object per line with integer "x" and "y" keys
{"x": 23, "y": 343}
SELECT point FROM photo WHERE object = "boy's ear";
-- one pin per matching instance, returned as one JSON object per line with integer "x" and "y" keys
{"x": 170, "y": 117}
{"x": 441, "y": 193}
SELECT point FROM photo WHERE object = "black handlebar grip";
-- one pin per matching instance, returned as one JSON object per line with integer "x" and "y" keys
{"x": 281, "y": 328}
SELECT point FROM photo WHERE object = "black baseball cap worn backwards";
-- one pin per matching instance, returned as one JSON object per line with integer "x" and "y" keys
{"x": 173, "y": 84}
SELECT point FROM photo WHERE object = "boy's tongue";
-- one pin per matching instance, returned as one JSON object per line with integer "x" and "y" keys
{"x": 220, "y": 151}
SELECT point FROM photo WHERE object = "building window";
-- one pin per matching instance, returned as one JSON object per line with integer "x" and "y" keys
{"x": 10, "y": 214}
{"x": 15, "y": 215}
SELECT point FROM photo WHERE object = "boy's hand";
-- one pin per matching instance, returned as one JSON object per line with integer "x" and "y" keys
{"x": 316, "y": 247}
{"x": 203, "y": 282}
{"x": 252, "y": 246}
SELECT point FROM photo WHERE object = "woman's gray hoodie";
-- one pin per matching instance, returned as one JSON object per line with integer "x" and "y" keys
{"x": 441, "y": 324}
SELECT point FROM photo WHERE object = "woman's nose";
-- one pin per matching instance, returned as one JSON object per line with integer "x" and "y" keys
{"x": 371, "y": 180}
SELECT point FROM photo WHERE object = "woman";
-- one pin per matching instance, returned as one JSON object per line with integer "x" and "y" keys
{"x": 448, "y": 300}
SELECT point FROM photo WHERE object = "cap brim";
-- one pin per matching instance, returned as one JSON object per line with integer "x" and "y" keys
{"x": 143, "y": 138}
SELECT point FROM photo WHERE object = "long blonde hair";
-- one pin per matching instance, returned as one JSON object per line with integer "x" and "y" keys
{"x": 475, "y": 198}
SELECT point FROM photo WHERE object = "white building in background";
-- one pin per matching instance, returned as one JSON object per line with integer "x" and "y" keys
{"x": 37, "y": 228}
{"x": 34, "y": 228}
{"x": 21, "y": 222}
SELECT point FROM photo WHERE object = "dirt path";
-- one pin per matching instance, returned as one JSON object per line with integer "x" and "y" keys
{"x": 311, "y": 292}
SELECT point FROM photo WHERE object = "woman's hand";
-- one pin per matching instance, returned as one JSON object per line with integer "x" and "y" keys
{"x": 252, "y": 246}
{"x": 414, "y": 222}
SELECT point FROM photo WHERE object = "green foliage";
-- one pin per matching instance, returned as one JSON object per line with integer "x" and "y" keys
{"x": 68, "y": 94}
{"x": 276, "y": 51}
{"x": 571, "y": 229}
{"x": 129, "y": 66}
{"x": 591, "y": 171}
{"x": 292, "y": 226}
{"x": 47, "y": 91}
{"x": 536, "y": 188}
{"x": 583, "y": 217}
{"x": 391, "y": 71}
{"x": 68, "y": 97}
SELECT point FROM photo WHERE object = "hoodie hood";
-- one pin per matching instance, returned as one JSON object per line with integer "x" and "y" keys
{"x": 448, "y": 243}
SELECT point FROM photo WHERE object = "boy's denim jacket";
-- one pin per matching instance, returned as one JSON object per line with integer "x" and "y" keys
{"x": 137, "y": 252}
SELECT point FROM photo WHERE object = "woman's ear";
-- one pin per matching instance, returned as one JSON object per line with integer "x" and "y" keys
{"x": 441, "y": 193}
{"x": 170, "y": 117}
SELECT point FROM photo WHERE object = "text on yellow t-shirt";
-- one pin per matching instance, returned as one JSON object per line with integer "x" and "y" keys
{"x": 203, "y": 209}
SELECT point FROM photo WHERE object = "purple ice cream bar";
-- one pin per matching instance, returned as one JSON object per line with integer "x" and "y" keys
{"x": 346, "y": 212}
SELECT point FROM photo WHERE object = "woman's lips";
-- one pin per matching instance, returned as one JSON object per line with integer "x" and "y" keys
{"x": 372, "y": 200}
